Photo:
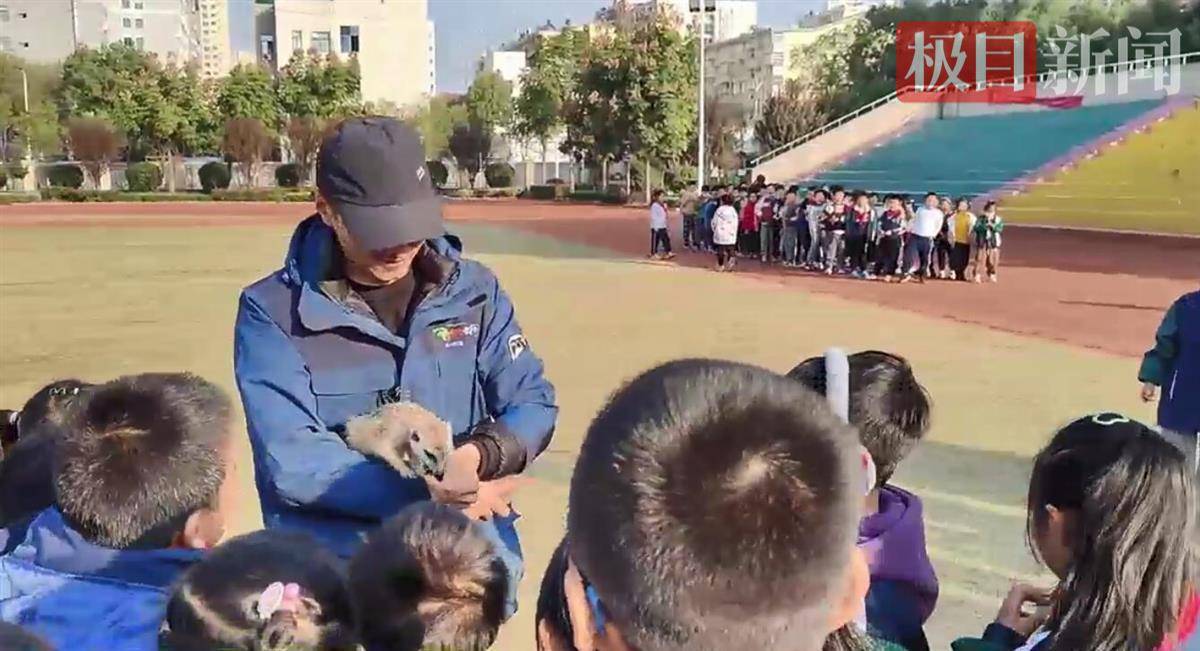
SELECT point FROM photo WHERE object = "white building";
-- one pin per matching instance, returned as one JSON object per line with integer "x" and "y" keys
{"x": 509, "y": 64}
{"x": 49, "y": 30}
{"x": 211, "y": 26}
{"x": 391, "y": 40}
{"x": 729, "y": 19}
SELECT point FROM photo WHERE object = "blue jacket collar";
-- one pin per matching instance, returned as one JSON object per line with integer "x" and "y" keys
{"x": 312, "y": 255}
{"x": 51, "y": 543}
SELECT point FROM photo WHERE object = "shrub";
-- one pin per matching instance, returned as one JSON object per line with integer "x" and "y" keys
{"x": 214, "y": 175}
{"x": 287, "y": 175}
{"x": 499, "y": 175}
{"x": 143, "y": 177}
{"x": 550, "y": 192}
{"x": 462, "y": 193}
{"x": 10, "y": 198}
{"x": 278, "y": 195}
{"x": 65, "y": 176}
{"x": 502, "y": 193}
{"x": 437, "y": 172}
{"x": 75, "y": 195}
{"x": 597, "y": 196}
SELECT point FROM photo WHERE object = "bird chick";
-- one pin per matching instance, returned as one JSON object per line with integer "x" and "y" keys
{"x": 410, "y": 438}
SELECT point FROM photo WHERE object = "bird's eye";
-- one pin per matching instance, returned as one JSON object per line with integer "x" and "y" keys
{"x": 416, "y": 438}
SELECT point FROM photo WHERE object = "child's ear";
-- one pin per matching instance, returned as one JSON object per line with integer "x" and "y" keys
{"x": 848, "y": 607}
{"x": 203, "y": 530}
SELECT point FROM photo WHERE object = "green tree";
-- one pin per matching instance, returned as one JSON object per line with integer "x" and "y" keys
{"x": 470, "y": 146}
{"x": 181, "y": 120}
{"x": 315, "y": 85}
{"x": 247, "y": 92}
{"x": 115, "y": 82}
{"x": 548, "y": 85}
{"x": 489, "y": 102}
{"x": 435, "y": 122}
{"x": 38, "y": 128}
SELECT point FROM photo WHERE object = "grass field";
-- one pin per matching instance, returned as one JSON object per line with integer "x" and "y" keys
{"x": 96, "y": 302}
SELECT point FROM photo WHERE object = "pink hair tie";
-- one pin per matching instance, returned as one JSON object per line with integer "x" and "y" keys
{"x": 278, "y": 597}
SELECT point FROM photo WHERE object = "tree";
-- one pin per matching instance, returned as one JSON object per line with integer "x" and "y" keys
{"x": 115, "y": 82}
{"x": 435, "y": 122}
{"x": 96, "y": 143}
{"x": 247, "y": 141}
{"x": 182, "y": 120}
{"x": 548, "y": 83}
{"x": 723, "y": 124}
{"x": 471, "y": 146}
{"x": 37, "y": 129}
{"x": 489, "y": 102}
{"x": 315, "y": 85}
{"x": 246, "y": 92}
{"x": 304, "y": 136}
{"x": 787, "y": 116}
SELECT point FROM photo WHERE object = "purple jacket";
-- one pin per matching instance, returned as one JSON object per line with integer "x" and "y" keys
{"x": 893, "y": 541}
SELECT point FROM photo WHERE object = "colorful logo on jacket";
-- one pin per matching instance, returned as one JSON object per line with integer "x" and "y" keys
{"x": 453, "y": 335}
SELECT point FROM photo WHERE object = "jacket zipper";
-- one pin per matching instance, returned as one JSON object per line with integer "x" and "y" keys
{"x": 1174, "y": 379}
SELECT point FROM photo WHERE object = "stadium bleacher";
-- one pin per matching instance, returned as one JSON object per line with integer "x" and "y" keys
{"x": 974, "y": 155}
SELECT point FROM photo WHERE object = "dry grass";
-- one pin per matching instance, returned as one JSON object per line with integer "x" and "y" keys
{"x": 98, "y": 302}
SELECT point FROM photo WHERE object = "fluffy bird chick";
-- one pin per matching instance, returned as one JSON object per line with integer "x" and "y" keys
{"x": 409, "y": 437}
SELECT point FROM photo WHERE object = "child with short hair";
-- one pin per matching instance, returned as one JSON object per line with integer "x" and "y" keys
{"x": 271, "y": 590}
{"x": 766, "y": 216}
{"x": 814, "y": 212}
{"x": 713, "y": 507}
{"x": 430, "y": 577}
{"x": 725, "y": 233}
{"x": 986, "y": 238}
{"x": 926, "y": 224}
{"x": 858, "y": 224}
{"x": 142, "y": 465}
{"x": 748, "y": 235}
{"x": 792, "y": 217}
{"x": 1112, "y": 513}
{"x": 891, "y": 411}
{"x": 891, "y": 234}
{"x": 942, "y": 245}
{"x": 833, "y": 232}
{"x": 660, "y": 237}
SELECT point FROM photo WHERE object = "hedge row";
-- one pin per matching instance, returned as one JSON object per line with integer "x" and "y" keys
{"x": 263, "y": 194}
{"x": 486, "y": 193}
{"x": 106, "y": 196}
{"x": 9, "y": 198}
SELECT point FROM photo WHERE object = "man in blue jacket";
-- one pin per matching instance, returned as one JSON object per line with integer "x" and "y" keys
{"x": 373, "y": 305}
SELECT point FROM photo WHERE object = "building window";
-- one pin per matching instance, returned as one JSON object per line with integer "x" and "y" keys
{"x": 139, "y": 23}
{"x": 128, "y": 40}
{"x": 266, "y": 47}
{"x": 297, "y": 40}
{"x": 141, "y": 43}
{"x": 124, "y": 4}
{"x": 138, "y": 5}
{"x": 3, "y": 13}
{"x": 349, "y": 39}
{"x": 125, "y": 22}
{"x": 320, "y": 42}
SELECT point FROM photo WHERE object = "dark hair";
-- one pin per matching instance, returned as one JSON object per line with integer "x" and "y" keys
{"x": 820, "y": 191}
{"x": 888, "y": 405}
{"x": 552, "y": 600}
{"x": 727, "y": 200}
{"x": 139, "y": 454}
{"x": 931, "y": 194}
{"x": 990, "y": 204}
{"x": 962, "y": 200}
{"x": 428, "y": 577}
{"x": 1134, "y": 562}
{"x": 208, "y": 604}
{"x": 656, "y": 194}
{"x": 714, "y": 505}
{"x": 15, "y": 638}
{"x": 48, "y": 405}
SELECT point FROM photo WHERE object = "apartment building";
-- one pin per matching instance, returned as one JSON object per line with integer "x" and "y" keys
{"x": 392, "y": 40}
{"x": 211, "y": 31}
{"x": 49, "y": 30}
{"x": 728, "y": 18}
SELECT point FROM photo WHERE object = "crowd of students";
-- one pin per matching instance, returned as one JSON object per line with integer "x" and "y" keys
{"x": 833, "y": 231}
{"x": 714, "y": 506}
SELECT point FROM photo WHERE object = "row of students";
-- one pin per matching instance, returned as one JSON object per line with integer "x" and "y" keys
{"x": 831, "y": 231}
{"x": 714, "y": 505}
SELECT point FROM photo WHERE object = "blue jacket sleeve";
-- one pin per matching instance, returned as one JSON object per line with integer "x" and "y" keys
{"x": 305, "y": 463}
{"x": 1158, "y": 360}
{"x": 516, "y": 391}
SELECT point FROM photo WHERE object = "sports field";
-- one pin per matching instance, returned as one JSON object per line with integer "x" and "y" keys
{"x": 97, "y": 291}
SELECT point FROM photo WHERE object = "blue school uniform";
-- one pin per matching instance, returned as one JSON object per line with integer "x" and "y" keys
{"x": 79, "y": 596}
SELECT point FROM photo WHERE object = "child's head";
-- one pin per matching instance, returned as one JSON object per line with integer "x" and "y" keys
{"x": 839, "y": 194}
{"x": 270, "y": 590}
{"x": 888, "y": 405}
{"x": 962, "y": 205}
{"x": 714, "y": 505}
{"x": 1112, "y": 512}
{"x": 656, "y": 196}
{"x": 931, "y": 200}
{"x": 46, "y": 407}
{"x": 15, "y": 638}
{"x": 862, "y": 201}
{"x": 143, "y": 460}
{"x": 726, "y": 199}
{"x": 989, "y": 208}
{"x": 945, "y": 204}
{"x": 893, "y": 203}
{"x": 429, "y": 578}
{"x": 819, "y": 195}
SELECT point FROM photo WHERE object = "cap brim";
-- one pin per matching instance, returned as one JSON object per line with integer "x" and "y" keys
{"x": 385, "y": 227}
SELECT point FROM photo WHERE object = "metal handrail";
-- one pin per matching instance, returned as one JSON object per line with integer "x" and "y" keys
{"x": 1101, "y": 69}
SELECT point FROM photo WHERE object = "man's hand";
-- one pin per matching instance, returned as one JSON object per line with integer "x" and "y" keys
{"x": 1149, "y": 391}
{"x": 494, "y": 498}
{"x": 1014, "y": 615}
{"x": 459, "y": 486}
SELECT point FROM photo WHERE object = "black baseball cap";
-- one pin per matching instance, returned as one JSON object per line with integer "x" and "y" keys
{"x": 372, "y": 170}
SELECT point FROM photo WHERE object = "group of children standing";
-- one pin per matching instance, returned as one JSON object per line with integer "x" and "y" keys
{"x": 769, "y": 523}
{"x": 832, "y": 231}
